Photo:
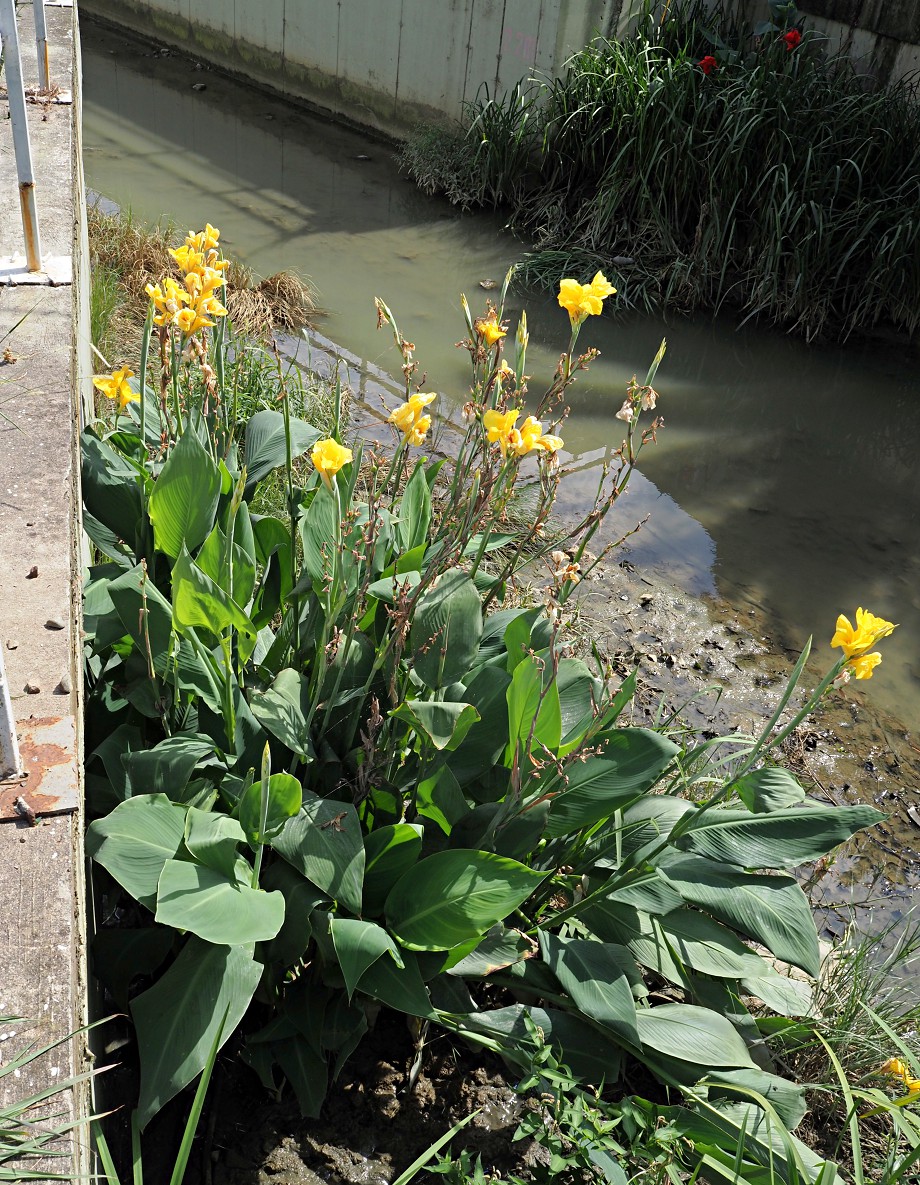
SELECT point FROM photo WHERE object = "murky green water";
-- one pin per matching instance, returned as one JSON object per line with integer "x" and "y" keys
{"x": 786, "y": 476}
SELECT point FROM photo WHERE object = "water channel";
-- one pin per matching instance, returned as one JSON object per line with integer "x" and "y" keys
{"x": 786, "y": 476}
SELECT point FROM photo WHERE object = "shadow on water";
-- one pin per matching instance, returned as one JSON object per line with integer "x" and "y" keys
{"x": 785, "y": 477}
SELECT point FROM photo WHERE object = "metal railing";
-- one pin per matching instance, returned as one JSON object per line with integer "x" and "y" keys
{"x": 12, "y": 66}
{"x": 10, "y": 762}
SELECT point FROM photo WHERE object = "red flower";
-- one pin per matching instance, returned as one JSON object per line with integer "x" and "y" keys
{"x": 708, "y": 64}
{"x": 792, "y": 39}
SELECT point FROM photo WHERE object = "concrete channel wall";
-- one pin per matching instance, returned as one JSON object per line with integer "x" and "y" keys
{"x": 44, "y": 364}
{"x": 386, "y": 64}
{"x": 881, "y": 36}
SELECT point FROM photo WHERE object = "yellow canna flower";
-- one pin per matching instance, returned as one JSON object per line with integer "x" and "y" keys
{"x": 499, "y": 427}
{"x": 116, "y": 386}
{"x": 203, "y": 240}
{"x": 869, "y": 630}
{"x": 328, "y": 457}
{"x": 408, "y": 416}
{"x": 191, "y": 320}
{"x": 167, "y": 300}
{"x": 530, "y": 436}
{"x": 489, "y": 330}
{"x": 862, "y": 665}
{"x": 584, "y": 300}
{"x": 188, "y": 259}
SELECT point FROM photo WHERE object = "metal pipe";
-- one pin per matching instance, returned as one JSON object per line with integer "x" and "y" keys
{"x": 10, "y": 765}
{"x": 17, "y": 100}
{"x": 41, "y": 43}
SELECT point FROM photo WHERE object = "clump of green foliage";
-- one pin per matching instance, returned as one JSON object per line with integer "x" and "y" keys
{"x": 703, "y": 163}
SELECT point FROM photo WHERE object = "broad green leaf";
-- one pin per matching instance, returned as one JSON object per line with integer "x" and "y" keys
{"x": 633, "y": 760}
{"x": 781, "y": 839}
{"x": 590, "y": 1054}
{"x": 485, "y": 742}
{"x": 401, "y": 988}
{"x": 533, "y": 711}
{"x": 773, "y": 910}
{"x": 788, "y": 1098}
{"x": 319, "y": 534}
{"x": 306, "y": 1070}
{"x": 389, "y": 588}
{"x": 134, "y": 841}
{"x": 266, "y": 447}
{"x": 238, "y": 577}
{"x": 414, "y": 510}
{"x": 145, "y": 614}
{"x": 357, "y": 945}
{"x": 324, "y": 843}
{"x": 300, "y": 899}
{"x": 216, "y": 907}
{"x": 579, "y": 693}
{"x": 446, "y": 629}
{"x": 499, "y": 949}
{"x": 704, "y": 945}
{"x": 199, "y": 603}
{"x": 284, "y": 709}
{"x": 111, "y": 492}
{"x": 179, "y": 1017}
{"x": 167, "y": 767}
{"x": 692, "y": 1034}
{"x": 785, "y": 994}
{"x": 285, "y": 798}
{"x": 184, "y": 499}
{"x": 390, "y": 851}
{"x": 213, "y": 838}
{"x": 516, "y": 637}
{"x": 440, "y": 798}
{"x": 769, "y": 789}
{"x": 650, "y": 820}
{"x": 592, "y": 976}
{"x": 442, "y": 724}
{"x": 453, "y": 896}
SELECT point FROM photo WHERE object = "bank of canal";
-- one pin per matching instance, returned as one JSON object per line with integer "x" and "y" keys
{"x": 784, "y": 482}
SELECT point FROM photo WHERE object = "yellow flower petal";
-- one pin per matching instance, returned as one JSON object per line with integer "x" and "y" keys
{"x": 328, "y": 457}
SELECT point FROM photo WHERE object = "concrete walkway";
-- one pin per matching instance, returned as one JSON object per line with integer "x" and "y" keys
{"x": 42, "y": 958}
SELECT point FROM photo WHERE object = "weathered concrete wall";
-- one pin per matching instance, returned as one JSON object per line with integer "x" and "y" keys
{"x": 881, "y": 36}
{"x": 45, "y": 329}
{"x": 387, "y": 64}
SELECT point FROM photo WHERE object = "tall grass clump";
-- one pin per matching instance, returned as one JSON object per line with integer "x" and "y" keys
{"x": 705, "y": 164}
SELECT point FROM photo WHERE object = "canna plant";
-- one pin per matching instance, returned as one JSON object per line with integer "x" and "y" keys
{"x": 331, "y": 769}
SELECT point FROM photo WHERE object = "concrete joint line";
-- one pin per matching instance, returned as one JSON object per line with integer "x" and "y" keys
{"x": 57, "y": 270}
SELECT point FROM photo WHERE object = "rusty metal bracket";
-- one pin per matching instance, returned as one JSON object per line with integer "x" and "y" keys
{"x": 49, "y": 784}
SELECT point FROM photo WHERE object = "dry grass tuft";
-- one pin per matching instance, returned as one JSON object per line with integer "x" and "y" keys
{"x": 131, "y": 255}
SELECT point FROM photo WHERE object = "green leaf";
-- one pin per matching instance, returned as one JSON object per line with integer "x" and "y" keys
{"x": 484, "y": 744}
{"x": 324, "y": 843}
{"x": 781, "y": 839}
{"x": 283, "y": 710}
{"x": 300, "y": 899}
{"x": 120, "y": 954}
{"x": 499, "y": 949}
{"x": 265, "y": 447}
{"x": 769, "y": 789}
{"x": 111, "y": 492}
{"x": 446, "y": 629}
{"x": 306, "y": 1070}
{"x": 145, "y": 614}
{"x": 212, "y": 838}
{"x": 167, "y": 767}
{"x": 401, "y": 988}
{"x": 592, "y": 976}
{"x": 357, "y": 945}
{"x": 388, "y": 588}
{"x": 533, "y": 710}
{"x": 319, "y": 534}
{"x": 285, "y": 798}
{"x": 701, "y": 943}
{"x": 579, "y": 693}
{"x": 692, "y": 1034}
{"x": 632, "y": 761}
{"x": 178, "y": 1018}
{"x": 453, "y": 896}
{"x": 184, "y": 499}
{"x": 216, "y": 907}
{"x": 788, "y": 1098}
{"x": 134, "y": 841}
{"x": 200, "y": 603}
{"x": 442, "y": 724}
{"x": 440, "y": 798}
{"x": 773, "y": 910}
{"x": 389, "y": 852}
{"x": 784, "y": 994}
{"x": 414, "y": 510}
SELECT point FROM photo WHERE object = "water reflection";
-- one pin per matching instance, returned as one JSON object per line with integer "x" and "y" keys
{"x": 785, "y": 476}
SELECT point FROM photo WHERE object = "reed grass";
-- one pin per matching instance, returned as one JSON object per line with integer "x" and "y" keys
{"x": 783, "y": 184}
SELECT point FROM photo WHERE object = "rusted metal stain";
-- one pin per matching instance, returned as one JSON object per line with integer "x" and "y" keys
{"x": 30, "y": 225}
{"x": 50, "y": 784}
